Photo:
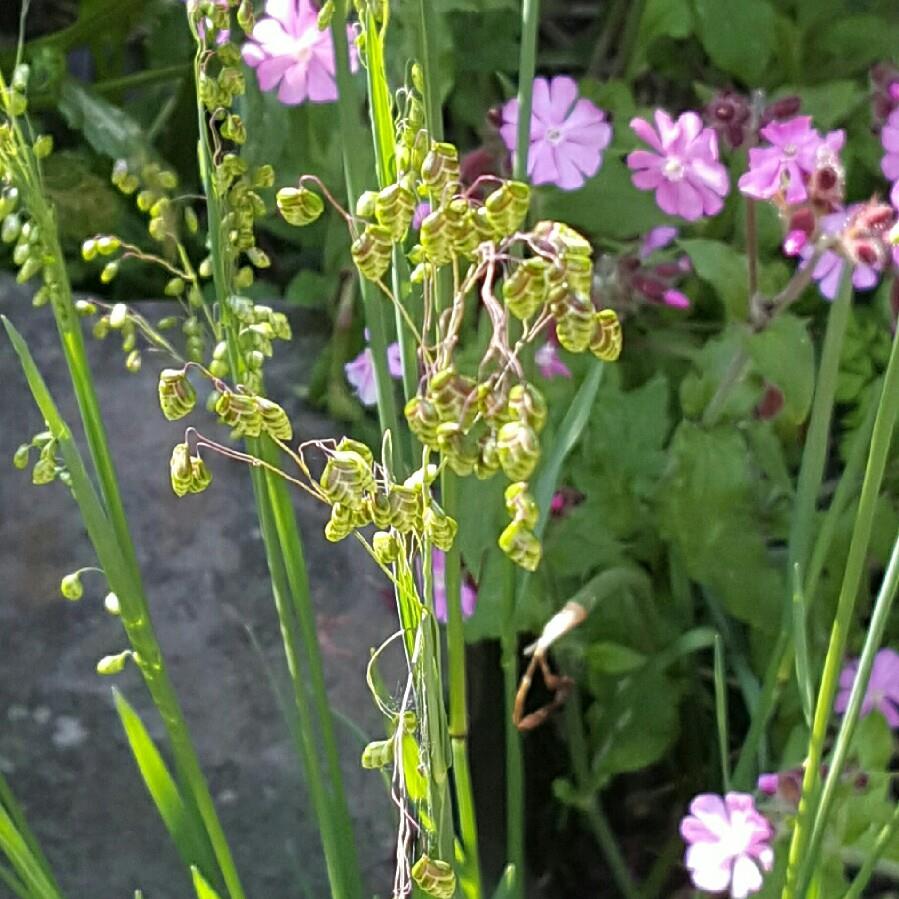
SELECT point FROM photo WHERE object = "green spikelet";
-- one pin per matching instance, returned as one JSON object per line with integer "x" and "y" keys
{"x": 423, "y": 420}
{"x": 201, "y": 476}
{"x": 347, "y": 479}
{"x": 394, "y": 207}
{"x": 177, "y": 396}
{"x": 436, "y": 237}
{"x": 527, "y": 288}
{"x": 379, "y": 509}
{"x": 386, "y": 547}
{"x": 459, "y": 448}
{"x": 574, "y": 323}
{"x": 274, "y": 420}
{"x": 439, "y": 527}
{"x": 377, "y": 754}
{"x": 405, "y": 508}
{"x": 299, "y": 205}
{"x": 579, "y": 274}
{"x": 493, "y": 405}
{"x": 487, "y": 464}
{"x": 484, "y": 227}
{"x": 340, "y": 524}
{"x": 371, "y": 251}
{"x": 521, "y": 506}
{"x": 347, "y": 444}
{"x": 180, "y": 469}
{"x": 240, "y": 412}
{"x": 521, "y": 545}
{"x": 454, "y": 397}
{"x": 440, "y": 169}
{"x": 564, "y": 240}
{"x": 434, "y": 877}
{"x": 507, "y": 207}
{"x": 519, "y": 450}
{"x": 463, "y": 234}
{"x": 526, "y": 403}
{"x": 607, "y": 338}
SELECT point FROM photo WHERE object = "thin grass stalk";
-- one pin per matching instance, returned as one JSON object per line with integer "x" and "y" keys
{"x": 124, "y": 581}
{"x": 721, "y": 717}
{"x": 869, "y": 866}
{"x": 284, "y": 552}
{"x": 811, "y": 473}
{"x": 881, "y": 439}
{"x": 14, "y": 810}
{"x": 873, "y": 640}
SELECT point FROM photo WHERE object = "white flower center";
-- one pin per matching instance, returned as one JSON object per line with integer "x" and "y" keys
{"x": 305, "y": 45}
{"x": 554, "y": 135}
{"x": 673, "y": 169}
{"x": 790, "y": 150}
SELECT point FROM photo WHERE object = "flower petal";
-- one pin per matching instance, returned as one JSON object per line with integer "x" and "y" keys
{"x": 562, "y": 95}
{"x": 542, "y": 164}
{"x": 647, "y": 134}
{"x": 747, "y": 878}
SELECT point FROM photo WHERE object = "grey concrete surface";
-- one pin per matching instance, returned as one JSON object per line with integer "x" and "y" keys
{"x": 60, "y": 742}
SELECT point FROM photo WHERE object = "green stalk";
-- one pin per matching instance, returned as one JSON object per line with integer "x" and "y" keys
{"x": 881, "y": 439}
{"x": 873, "y": 640}
{"x": 869, "y": 866}
{"x": 284, "y": 552}
{"x": 527, "y": 68}
{"x": 352, "y": 135}
{"x": 811, "y": 473}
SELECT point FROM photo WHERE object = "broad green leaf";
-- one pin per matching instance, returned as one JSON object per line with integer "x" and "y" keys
{"x": 725, "y": 269}
{"x": 107, "y": 128}
{"x": 829, "y": 104}
{"x": 784, "y": 355}
{"x": 188, "y": 836}
{"x": 848, "y": 44}
{"x": 614, "y": 658}
{"x": 661, "y": 18}
{"x": 738, "y": 35}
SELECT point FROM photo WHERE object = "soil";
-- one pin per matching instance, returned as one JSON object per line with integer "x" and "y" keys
{"x": 61, "y": 744}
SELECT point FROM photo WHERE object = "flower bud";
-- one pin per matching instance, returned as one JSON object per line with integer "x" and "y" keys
{"x": 133, "y": 361}
{"x": 21, "y": 457}
{"x": 111, "y": 604}
{"x": 434, "y": 877}
{"x": 71, "y": 587}
{"x": 110, "y": 270}
{"x": 11, "y": 228}
{"x": 606, "y": 341}
{"x": 113, "y": 664}
{"x": 299, "y": 205}
{"x": 44, "y": 472}
{"x": 378, "y": 754}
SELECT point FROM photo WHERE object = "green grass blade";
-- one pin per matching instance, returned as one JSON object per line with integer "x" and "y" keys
{"x": 184, "y": 828}
{"x": 14, "y": 810}
{"x": 507, "y": 887}
{"x": 27, "y": 868}
{"x": 881, "y": 844}
{"x": 721, "y": 711}
{"x": 800, "y": 642}
{"x": 15, "y": 885}
{"x": 204, "y": 891}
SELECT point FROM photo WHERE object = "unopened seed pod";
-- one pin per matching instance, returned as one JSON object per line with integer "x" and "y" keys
{"x": 340, "y": 524}
{"x": 440, "y": 528}
{"x": 521, "y": 545}
{"x": 371, "y": 251}
{"x": 385, "y": 546}
{"x": 574, "y": 323}
{"x": 507, "y": 207}
{"x": 526, "y": 403}
{"x": 521, "y": 505}
{"x": 22, "y": 454}
{"x": 274, "y": 420}
{"x": 519, "y": 450}
{"x": 44, "y": 472}
{"x": 113, "y": 664}
{"x": 394, "y": 207}
{"x": 377, "y": 754}
{"x": 527, "y": 288}
{"x": 299, "y": 205}
{"x": 436, "y": 238}
{"x": 111, "y": 604}
{"x": 347, "y": 478}
{"x": 440, "y": 168}
{"x": 607, "y": 338}
{"x": 70, "y": 586}
{"x": 434, "y": 877}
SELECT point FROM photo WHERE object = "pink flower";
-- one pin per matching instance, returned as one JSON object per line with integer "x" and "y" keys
{"x": 568, "y": 134}
{"x": 468, "y": 595}
{"x": 422, "y": 211}
{"x": 728, "y": 844}
{"x": 549, "y": 363}
{"x": 287, "y": 48}
{"x": 829, "y": 269}
{"x": 360, "y": 372}
{"x": 768, "y": 783}
{"x": 683, "y": 170}
{"x": 883, "y": 687}
{"x": 889, "y": 137}
{"x": 657, "y": 239}
{"x": 794, "y": 153}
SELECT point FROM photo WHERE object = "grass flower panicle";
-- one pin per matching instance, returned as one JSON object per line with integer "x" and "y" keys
{"x": 682, "y": 166}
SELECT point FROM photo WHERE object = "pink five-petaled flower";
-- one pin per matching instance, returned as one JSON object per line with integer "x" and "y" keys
{"x": 468, "y": 594}
{"x": 828, "y": 270}
{"x": 889, "y": 136}
{"x": 794, "y": 153}
{"x": 360, "y": 372}
{"x": 567, "y": 136}
{"x": 682, "y": 168}
{"x": 549, "y": 363}
{"x": 883, "y": 687}
{"x": 287, "y": 48}
{"x": 728, "y": 844}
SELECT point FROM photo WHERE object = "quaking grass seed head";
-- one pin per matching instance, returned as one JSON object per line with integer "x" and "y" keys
{"x": 434, "y": 877}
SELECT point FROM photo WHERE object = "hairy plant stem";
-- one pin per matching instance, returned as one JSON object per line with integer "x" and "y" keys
{"x": 811, "y": 473}
{"x": 290, "y": 583}
{"x": 812, "y": 808}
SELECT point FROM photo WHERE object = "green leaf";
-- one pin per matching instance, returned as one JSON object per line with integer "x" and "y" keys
{"x": 311, "y": 289}
{"x": 107, "y": 128}
{"x": 507, "y": 888}
{"x": 829, "y": 104}
{"x": 660, "y": 19}
{"x": 614, "y": 658}
{"x": 187, "y": 833}
{"x": 848, "y": 44}
{"x": 738, "y": 35}
{"x": 724, "y": 268}
{"x": 785, "y": 357}
{"x": 203, "y": 890}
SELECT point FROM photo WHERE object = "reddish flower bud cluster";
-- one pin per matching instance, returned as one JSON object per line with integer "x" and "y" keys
{"x": 730, "y": 114}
